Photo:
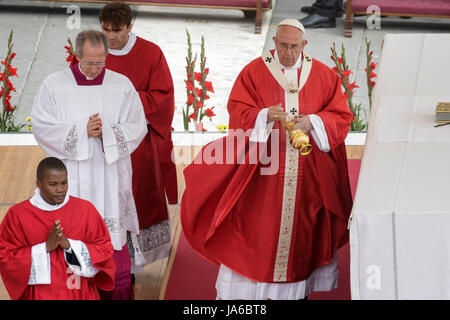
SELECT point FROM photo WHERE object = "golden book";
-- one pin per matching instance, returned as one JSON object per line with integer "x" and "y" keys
{"x": 443, "y": 112}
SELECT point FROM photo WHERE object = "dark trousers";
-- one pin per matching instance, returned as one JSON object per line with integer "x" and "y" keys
{"x": 328, "y": 8}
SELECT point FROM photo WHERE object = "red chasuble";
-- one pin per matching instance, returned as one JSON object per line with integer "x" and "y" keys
{"x": 25, "y": 226}
{"x": 153, "y": 168}
{"x": 233, "y": 215}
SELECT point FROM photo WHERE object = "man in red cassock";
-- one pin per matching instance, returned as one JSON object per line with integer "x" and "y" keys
{"x": 154, "y": 172}
{"x": 276, "y": 232}
{"x": 55, "y": 246}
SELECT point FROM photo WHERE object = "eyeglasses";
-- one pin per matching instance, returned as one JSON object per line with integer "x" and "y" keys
{"x": 93, "y": 64}
{"x": 285, "y": 46}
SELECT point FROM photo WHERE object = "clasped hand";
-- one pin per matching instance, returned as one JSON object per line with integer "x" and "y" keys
{"x": 94, "y": 126}
{"x": 56, "y": 238}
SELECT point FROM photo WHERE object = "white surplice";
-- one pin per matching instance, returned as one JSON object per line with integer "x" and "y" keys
{"x": 40, "y": 272}
{"x": 99, "y": 170}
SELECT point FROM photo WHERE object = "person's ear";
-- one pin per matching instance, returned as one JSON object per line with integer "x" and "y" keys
{"x": 38, "y": 184}
{"x": 304, "y": 43}
{"x": 129, "y": 27}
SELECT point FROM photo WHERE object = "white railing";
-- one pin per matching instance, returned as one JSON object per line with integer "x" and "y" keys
{"x": 179, "y": 138}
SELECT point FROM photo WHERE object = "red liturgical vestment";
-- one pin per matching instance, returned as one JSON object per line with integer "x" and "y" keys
{"x": 154, "y": 172}
{"x": 273, "y": 227}
{"x": 25, "y": 226}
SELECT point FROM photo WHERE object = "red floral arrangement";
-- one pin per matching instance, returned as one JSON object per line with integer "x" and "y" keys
{"x": 369, "y": 71}
{"x": 341, "y": 68}
{"x": 196, "y": 96}
{"x": 69, "y": 51}
{"x": 7, "y": 114}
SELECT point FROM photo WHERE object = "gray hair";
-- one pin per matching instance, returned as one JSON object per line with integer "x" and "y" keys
{"x": 94, "y": 37}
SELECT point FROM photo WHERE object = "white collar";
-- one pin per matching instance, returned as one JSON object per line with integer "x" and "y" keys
{"x": 297, "y": 64}
{"x": 127, "y": 48}
{"x": 40, "y": 203}
{"x": 87, "y": 78}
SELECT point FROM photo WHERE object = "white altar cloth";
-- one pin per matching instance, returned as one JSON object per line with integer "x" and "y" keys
{"x": 400, "y": 223}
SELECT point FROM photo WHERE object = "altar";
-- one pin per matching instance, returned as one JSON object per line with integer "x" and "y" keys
{"x": 400, "y": 223}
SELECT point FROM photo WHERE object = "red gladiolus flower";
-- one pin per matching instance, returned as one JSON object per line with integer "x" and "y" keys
{"x": 372, "y": 65}
{"x": 196, "y": 81}
{"x": 209, "y": 86}
{"x": 372, "y": 83}
{"x": 8, "y": 106}
{"x": 12, "y": 56}
{"x": 12, "y": 71}
{"x": 199, "y": 104}
{"x": 189, "y": 85}
{"x": 209, "y": 113}
{"x": 346, "y": 73}
{"x": 198, "y": 76}
{"x": 352, "y": 86}
{"x": 191, "y": 116}
{"x": 189, "y": 75}
{"x": 191, "y": 99}
{"x": 372, "y": 74}
{"x": 9, "y": 86}
{"x": 201, "y": 94}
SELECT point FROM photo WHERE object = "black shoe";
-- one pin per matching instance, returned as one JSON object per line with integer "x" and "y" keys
{"x": 309, "y": 10}
{"x": 306, "y": 9}
{"x": 133, "y": 279}
{"x": 315, "y": 20}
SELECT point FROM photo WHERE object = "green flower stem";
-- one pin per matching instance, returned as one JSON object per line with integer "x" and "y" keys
{"x": 357, "y": 123}
{"x": 5, "y": 113}
{"x": 368, "y": 71}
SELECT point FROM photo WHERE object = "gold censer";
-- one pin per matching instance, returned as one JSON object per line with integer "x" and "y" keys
{"x": 299, "y": 139}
